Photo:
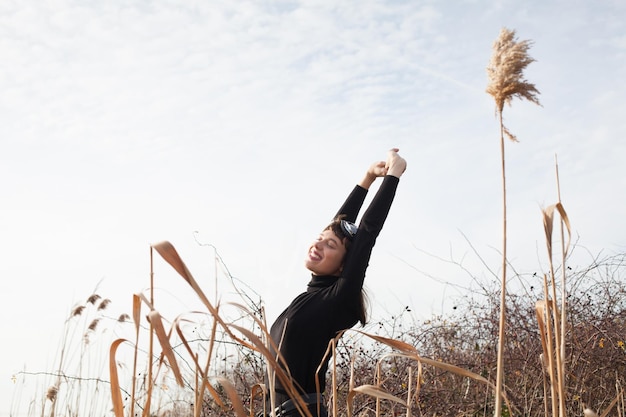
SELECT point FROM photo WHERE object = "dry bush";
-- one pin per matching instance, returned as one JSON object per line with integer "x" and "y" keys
{"x": 595, "y": 359}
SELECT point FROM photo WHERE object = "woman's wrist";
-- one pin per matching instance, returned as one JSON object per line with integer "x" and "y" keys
{"x": 395, "y": 172}
{"x": 367, "y": 180}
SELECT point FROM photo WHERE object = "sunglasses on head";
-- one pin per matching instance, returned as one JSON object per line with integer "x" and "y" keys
{"x": 349, "y": 229}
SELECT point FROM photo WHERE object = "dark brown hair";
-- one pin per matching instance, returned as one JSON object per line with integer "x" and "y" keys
{"x": 336, "y": 228}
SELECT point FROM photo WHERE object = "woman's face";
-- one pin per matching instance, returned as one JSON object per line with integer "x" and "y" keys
{"x": 326, "y": 254}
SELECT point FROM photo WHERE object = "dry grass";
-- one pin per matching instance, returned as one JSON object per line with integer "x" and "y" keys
{"x": 566, "y": 358}
{"x": 506, "y": 81}
{"x": 445, "y": 366}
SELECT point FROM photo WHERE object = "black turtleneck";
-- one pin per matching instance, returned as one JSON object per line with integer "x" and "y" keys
{"x": 331, "y": 304}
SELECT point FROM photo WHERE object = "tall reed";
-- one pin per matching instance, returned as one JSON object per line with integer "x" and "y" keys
{"x": 506, "y": 81}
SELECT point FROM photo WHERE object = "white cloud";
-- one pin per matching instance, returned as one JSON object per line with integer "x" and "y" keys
{"x": 124, "y": 124}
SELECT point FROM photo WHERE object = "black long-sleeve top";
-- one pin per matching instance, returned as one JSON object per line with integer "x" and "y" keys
{"x": 331, "y": 304}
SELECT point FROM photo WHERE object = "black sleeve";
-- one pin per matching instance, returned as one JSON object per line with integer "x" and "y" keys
{"x": 357, "y": 259}
{"x": 353, "y": 203}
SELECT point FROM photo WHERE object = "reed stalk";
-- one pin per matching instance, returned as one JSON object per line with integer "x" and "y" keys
{"x": 505, "y": 71}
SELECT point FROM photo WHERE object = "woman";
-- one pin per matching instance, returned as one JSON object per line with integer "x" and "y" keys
{"x": 333, "y": 300}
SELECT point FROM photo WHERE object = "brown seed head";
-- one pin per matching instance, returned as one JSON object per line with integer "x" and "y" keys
{"x": 93, "y": 324}
{"x": 104, "y": 304}
{"x": 123, "y": 318}
{"x": 506, "y": 70}
{"x": 77, "y": 311}
{"x": 93, "y": 298}
{"x": 52, "y": 393}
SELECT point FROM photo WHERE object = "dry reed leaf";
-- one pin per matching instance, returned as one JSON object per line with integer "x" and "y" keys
{"x": 232, "y": 394}
{"x": 410, "y": 351}
{"x": 396, "y": 344}
{"x": 276, "y": 364}
{"x": 157, "y": 324}
{"x": 170, "y": 255}
{"x": 548, "y": 225}
{"x": 116, "y": 393}
{"x": 373, "y": 391}
{"x": 254, "y": 392}
{"x": 541, "y": 307}
{"x": 202, "y": 371}
{"x": 137, "y": 312}
{"x": 377, "y": 392}
{"x": 258, "y": 345}
{"x": 214, "y": 394}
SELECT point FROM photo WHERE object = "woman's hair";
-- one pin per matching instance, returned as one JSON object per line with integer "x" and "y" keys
{"x": 338, "y": 230}
{"x": 335, "y": 226}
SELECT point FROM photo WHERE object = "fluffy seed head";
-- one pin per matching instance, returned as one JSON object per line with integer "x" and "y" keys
{"x": 77, "y": 311}
{"x": 93, "y": 298}
{"x": 104, "y": 304}
{"x": 506, "y": 70}
{"x": 52, "y": 393}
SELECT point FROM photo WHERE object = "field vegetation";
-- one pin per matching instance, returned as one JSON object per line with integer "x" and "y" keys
{"x": 554, "y": 346}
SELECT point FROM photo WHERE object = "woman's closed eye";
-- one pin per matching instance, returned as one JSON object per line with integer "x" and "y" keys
{"x": 328, "y": 242}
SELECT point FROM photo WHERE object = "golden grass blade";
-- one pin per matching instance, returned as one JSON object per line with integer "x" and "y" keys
{"x": 258, "y": 345}
{"x": 410, "y": 351}
{"x": 186, "y": 345}
{"x": 203, "y": 372}
{"x": 565, "y": 219}
{"x": 137, "y": 312}
{"x": 396, "y": 344}
{"x": 137, "y": 322}
{"x": 377, "y": 392}
{"x": 373, "y": 391}
{"x": 254, "y": 392}
{"x": 540, "y": 308}
{"x": 157, "y": 323}
{"x": 116, "y": 393}
{"x": 169, "y": 254}
{"x": 543, "y": 309}
{"x": 214, "y": 394}
{"x": 232, "y": 394}
{"x": 548, "y": 225}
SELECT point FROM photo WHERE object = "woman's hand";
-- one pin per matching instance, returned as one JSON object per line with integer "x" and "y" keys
{"x": 377, "y": 169}
{"x": 395, "y": 165}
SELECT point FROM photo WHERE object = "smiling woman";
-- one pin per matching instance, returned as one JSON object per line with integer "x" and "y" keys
{"x": 334, "y": 298}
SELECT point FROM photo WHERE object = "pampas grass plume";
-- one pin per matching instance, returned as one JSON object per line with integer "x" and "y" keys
{"x": 506, "y": 72}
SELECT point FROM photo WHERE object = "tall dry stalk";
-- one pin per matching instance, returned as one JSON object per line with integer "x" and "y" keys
{"x": 506, "y": 81}
{"x": 553, "y": 334}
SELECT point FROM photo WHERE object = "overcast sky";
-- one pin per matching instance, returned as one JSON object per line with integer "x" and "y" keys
{"x": 127, "y": 123}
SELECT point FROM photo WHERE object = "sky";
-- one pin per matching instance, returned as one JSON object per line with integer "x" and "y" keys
{"x": 240, "y": 126}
